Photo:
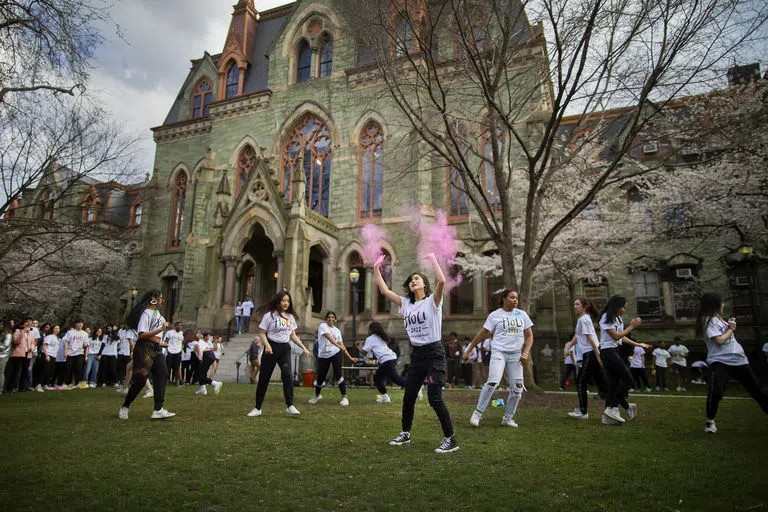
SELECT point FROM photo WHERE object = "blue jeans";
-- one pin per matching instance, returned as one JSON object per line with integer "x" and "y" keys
{"x": 501, "y": 361}
{"x": 93, "y": 365}
{"x": 238, "y": 321}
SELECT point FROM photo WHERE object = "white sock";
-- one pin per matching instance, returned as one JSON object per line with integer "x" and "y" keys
{"x": 202, "y": 387}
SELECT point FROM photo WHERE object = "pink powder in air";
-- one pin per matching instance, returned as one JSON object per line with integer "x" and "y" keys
{"x": 439, "y": 238}
{"x": 373, "y": 236}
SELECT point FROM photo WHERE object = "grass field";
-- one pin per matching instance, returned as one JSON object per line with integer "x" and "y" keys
{"x": 68, "y": 451}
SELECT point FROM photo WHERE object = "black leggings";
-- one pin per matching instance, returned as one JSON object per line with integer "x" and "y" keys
{"x": 619, "y": 378}
{"x": 323, "y": 364}
{"x": 280, "y": 356}
{"x": 50, "y": 371}
{"x": 202, "y": 370}
{"x": 109, "y": 372}
{"x": 427, "y": 362}
{"x": 661, "y": 377}
{"x": 590, "y": 369}
{"x": 148, "y": 358}
{"x": 194, "y": 364}
{"x": 75, "y": 366}
{"x": 721, "y": 373}
{"x": 641, "y": 381}
{"x": 61, "y": 372}
{"x": 14, "y": 373}
{"x": 386, "y": 371}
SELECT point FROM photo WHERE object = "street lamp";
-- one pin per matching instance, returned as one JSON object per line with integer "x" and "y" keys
{"x": 134, "y": 293}
{"x": 354, "y": 277}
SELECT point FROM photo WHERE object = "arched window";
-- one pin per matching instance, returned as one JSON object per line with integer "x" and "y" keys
{"x": 326, "y": 56}
{"x": 246, "y": 161}
{"x": 136, "y": 211}
{"x": 90, "y": 206}
{"x": 458, "y": 201}
{"x": 404, "y": 41}
{"x": 371, "y": 161}
{"x": 309, "y": 140}
{"x": 356, "y": 291}
{"x": 303, "y": 62}
{"x": 177, "y": 209}
{"x": 233, "y": 79}
{"x": 201, "y": 97}
{"x": 382, "y": 303}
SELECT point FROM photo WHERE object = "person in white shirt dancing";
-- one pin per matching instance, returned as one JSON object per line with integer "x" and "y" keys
{"x": 206, "y": 355}
{"x": 76, "y": 350}
{"x": 660, "y": 358}
{"x": 329, "y": 353}
{"x": 679, "y": 353}
{"x": 377, "y": 346}
{"x": 592, "y": 365}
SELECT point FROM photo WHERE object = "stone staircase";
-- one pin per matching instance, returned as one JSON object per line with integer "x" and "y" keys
{"x": 233, "y": 351}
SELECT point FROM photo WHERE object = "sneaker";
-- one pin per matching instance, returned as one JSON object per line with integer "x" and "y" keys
{"x": 474, "y": 420}
{"x": 91, "y": 385}
{"x": 683, "y": 389}
{"x": 293, "y": 411}
{"x": 123, "y": 413}
{"x": 58, "y": 388}
{"x": 83, "y": 385}
{"x": 613, "y": 413}
{"x": 401, "y": 439}
{"x": 254, "y": 412}
{"x": 344, "y": 402}
{"x": 217, "y": 387}
{"x": 648, "y": 390}
{"x": 658, "y": 388}
{"x": 508, "y": 422}
{"x": 39, "y": 388}
{"x": 579, "y": 415}
{"x": 384, "y": 399}
{"x": 162, "y": 414}
{"x": 315, "y": 399}
{"x": 632, "y": 412}
{"x": 666, "y": 389}
{"x": 678, "y": 388}
{"x": 49, "y": 388}
{"x": 631, "y": 390}
{"x": 123, "y": 391}
{"x": 448, "y": 445}
{"x": 605, "y": 420}
{"x": 710, "y": 427}
{"x": 149, "y": 394}
{"x": 202, "y": 391}
{"x": 119, "y": 389}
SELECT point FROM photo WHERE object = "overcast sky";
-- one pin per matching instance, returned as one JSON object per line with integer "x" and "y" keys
{"x": 139, "y": 76}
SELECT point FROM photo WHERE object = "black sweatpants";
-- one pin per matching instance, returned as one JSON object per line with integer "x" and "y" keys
{"x": 619, "y": 378}
{"x": 386, "y": 371}
{"x": 721, "y": 373}
{"x": 148, "y": 358}
{"x": 50, "y": 372}
{"x": 205, "y": 365}
{"x": 661, "y": 377}
{"x": 14, "y": 372}
{"x": 641, "y": 380}
{"x": 280, "y": 356}
{"x": 590, "y": 369}
{"x": 194, "y": 364}
{"x": 61, "y": 372}
{"x": 109, "y": 368}
{"x": 323, "y": 365}
{"x": 75, "y": 365}
{"x": 427, "y": 362}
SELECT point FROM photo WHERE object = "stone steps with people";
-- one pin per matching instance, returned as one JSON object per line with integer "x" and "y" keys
{"x": 232, "y": 352}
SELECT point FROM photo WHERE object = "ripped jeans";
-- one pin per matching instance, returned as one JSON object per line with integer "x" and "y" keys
{"x": 499, "y": 362}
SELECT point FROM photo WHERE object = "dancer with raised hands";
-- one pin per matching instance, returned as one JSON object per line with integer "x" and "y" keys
{"x": 329, "y": 353}
{"x": 422, "y": 312}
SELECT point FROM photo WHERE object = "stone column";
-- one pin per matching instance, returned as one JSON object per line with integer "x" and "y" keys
{"x": 230, "y": 271}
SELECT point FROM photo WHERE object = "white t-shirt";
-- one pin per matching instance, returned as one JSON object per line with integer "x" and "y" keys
{"x": 377, "y": 348}
{"x": 61, "y": 357}
{"x": 76, "y": 342}
{"x": 638, "y": 358}
{"x": 605, "y": 339}
{"x": 579, "y": 353}
{"x": 35, "y": 333}
{"x": 278, "y": 327}
{"x": 126, "y": 337}
{"x": 174, "y": 339}
{"x": 217, "y": 350}
{"x": 51, "y": 343}
{"x": 110, "y": 346}
{"x": 94, "y": 345}
{"x": 204, "y": 346}
{"x": 150, "y": 320}
{"x": 246, "y": 307}
{"x": 423, "y": 320}
{"x": 661, "y": 357}
{"x": 239, "y": 310}
{"x": 507, "y": 329}
{"x": 584, "y": 326}
{"x": 731, "y": 352}
{"x": 326, "y": 349}
{"x": 679, "y": 353}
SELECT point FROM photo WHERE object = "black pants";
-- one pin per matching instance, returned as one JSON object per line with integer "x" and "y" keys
{"x": 619, "y": 378}
{"x": 173, "y": 361}
{"x": 109, "y": 368}
{"x": 661, "y": 377}
{"x": 194, "y": 364}
{"x": 75, "y": 366}
{"x": 39, "y": 371}
{"x": 641, "y": 380}
{"x": 466, "y": 374}
{"x": 323, "y": 365}
{"x": 185, "y": 371}
{"x": 590, "y": 369}
{"x": 386, "y": 371}
{"x": 680, "y": 372}
{"x": 721, "y": 373}
{"x": 50, "y": 372}
{"x": 61, "y": 372}
{"x": 569, "y": 369}
{"x": 427, "y": 362}
{"x": 280, "y": 356}
{"x": 202, "y": 370}
{"x": 148, "y": 358}
{"x": 14, "y": 370}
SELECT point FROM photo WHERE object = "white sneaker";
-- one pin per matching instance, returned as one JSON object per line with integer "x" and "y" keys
{"x": 149, "y": 394}
{"x": 315, "y": 399}
{"x": 217, "y": 387}
{"x": 710, "y": 427}
{"x": 474, "y": 420}
{"x": 254, "y": 412}
{"x": 632, "y": 412}
{"x": 683, "y": 389}
{"x": 605, "y": 420}
{"x": 91, "y": 385}
{"x": 162, "y": 414}
{"x": 39, "y": 388}
{"x": 679, "y": 388}
{"x": 384, "y": 399}
{"x": 293, "y": 411}
{"x": 578, "y": 415}
{"x": 202, "y": 391}
{"x": 344, "y": 402}
{"x": 123, "y": 413}
{"x": 48, "y": 388}
{"x": 614, "y": 414}
{"x": 508, "y": 422}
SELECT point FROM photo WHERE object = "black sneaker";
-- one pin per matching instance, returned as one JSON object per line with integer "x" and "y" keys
{"x": 402, "y": 438}
{"x": 448, "y": 445}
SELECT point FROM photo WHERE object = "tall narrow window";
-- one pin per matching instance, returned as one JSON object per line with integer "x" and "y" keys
{"x": 647, "y": 295}
{"x": 303, "y": 62}
{"x": 404, "y": 41}
{"x": 177, "y": 209}
{"x": 489, "y": 175}
{"x": 356, "y": 291}
{"x": 202, "y": 96}
{"x": 326, "y": 56}
{"x": 90, "y": 206}
{"x": 310, "y": 142}
{"x": 137, "y": 215}
{"x": 371, "y": 170}
{"x": 458, "y": 202}
{"x": 233, "y": 79}
{"x": 245, "y": 164}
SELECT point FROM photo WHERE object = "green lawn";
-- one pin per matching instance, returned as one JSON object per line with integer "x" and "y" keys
{"x": 68, "y": 451}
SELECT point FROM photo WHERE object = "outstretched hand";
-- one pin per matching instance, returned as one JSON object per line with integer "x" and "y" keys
{"x": 379, "y": 261}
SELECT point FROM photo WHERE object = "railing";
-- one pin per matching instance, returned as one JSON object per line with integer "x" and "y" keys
{"x": 238, "y": 363}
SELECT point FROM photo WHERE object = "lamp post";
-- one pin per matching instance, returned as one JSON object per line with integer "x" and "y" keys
{"x": 134, "y": 293}
{"x": 354, "y": 277}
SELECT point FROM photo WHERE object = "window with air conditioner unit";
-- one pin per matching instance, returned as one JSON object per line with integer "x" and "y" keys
{"x": 741, "y": 280}
{"x": 684, "y": 273}
{"x": 650, "y": 147}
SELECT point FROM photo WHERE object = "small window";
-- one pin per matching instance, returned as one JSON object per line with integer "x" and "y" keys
{"x": 458, "y": 200}
{"x": 303, "y": 62}
{"x": 648, "y": 295}
{"x": 326, "y": 57}
{"x": 202, "y": 96}
{"x": 233, "y": 79}
{"x": 404, "y": 41}
{"x": 136, "y": 215}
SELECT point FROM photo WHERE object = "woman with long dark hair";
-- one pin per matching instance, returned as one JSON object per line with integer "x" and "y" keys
{"x": 205, "y": 352}
{"x": 591, "y": 363}
{"x": 725, "y": 357}
{"x": 50, "y": 349}
{"x": 377, "y": 346}
{"x": 276, "y": 330}
{"x": 108, "y": 362}
{"x": 148, "y": 358}
{"x": 612, "y": 334}
{"x": 329, "y": 354}
{"x": 422, "y": 312}
{"x": 94, "y": 348}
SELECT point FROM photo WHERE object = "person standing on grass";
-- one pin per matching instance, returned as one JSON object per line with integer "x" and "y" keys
{"x": 205, "y": 353}
{"x": 173, "y": 341}
{"x": 725, "y": 357}
{"x": 194, "y": 361}
{"x": 329, "y": 353}
{"x": 612, "y": 334}
{"x": 218, "y": 351}
{"x": 512, "y": 333}
{"x": 108, "y": 363}
{"x": 124, "y": 354}
{"x": 247, "y": 307}
{"x": 637, "y": 368}
{"x": 147, "y": 354}
{"x": 276, "y": 331}
{"x": 679, "y": 367}
{"x": 422, "y": 312}
{"x": 21, "y": 342}
{"x": 660, "y": 358}
{"x": 50, "y": 349}
{"x": 6, "y": 343}
{"x": 376, "y": 346}
{"x": 591, "y": 362}
{"x": 94, "y": 347}
{"x": 76, "y": 349}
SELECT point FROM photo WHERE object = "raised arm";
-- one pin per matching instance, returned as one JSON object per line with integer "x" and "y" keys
{"x": 383, "y": 288}
{"x": 437, "y": 294}
{"x": 723, "y": 338}
{"x": 479, "y": 337}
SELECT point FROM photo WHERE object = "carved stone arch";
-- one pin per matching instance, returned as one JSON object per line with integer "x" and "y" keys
{"x": 296, "y": 30}
{"x": 181, "y": 166}
{"x": 362, "y": 122}
{"x": 247, "y": 140}
{"x": 323, "y": 245}
{"x": 170, "y": 270}
{"x": 353, "y": 246}
{"x": 308, "y": 107}
{"x": 195, "y": 175}
{"x": 240, "y": 231}
{"x": 247, "y": 258}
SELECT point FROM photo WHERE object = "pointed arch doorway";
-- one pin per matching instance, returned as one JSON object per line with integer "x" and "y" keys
{"x": 258, "y": 272}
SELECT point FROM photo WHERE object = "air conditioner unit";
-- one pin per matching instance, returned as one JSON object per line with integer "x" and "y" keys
{"x": 595, "y": 281}
{"x": 684, "y": 273}
{"x": 650, "y": 147}
{"x": 742, "y": 281}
